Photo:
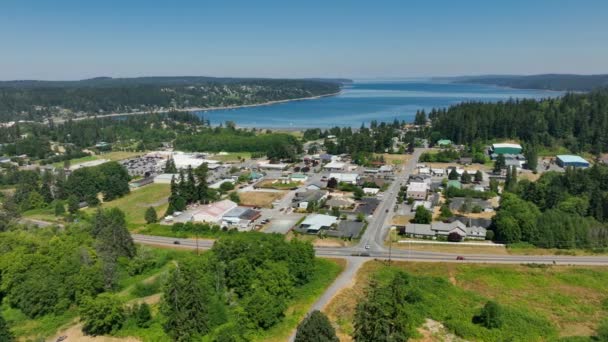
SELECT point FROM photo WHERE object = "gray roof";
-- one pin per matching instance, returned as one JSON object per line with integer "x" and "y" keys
{"x": 419, "y": 229}
{"x": 476, "y": 231}
{"x": 457, "y": 202}
{"x": 446, "y": 227}
{"x": 309, "y": 195}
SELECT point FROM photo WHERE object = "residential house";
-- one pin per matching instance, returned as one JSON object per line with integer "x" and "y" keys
{"x": 302, "y": 199}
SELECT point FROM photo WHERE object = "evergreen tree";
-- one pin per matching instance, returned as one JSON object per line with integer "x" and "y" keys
{"x": 5, "y": 332}
{"x": 453, "y": 175}
{"x": 59, "y": 187}
{"x": 143, "y": 315}
{"x": 170, "y": 166}
{"x": 110, "y": 229}
{"x": 151, "y": 216}
{"x": 190, "y": 190}
{"x": 45, "y": 188}
{"x": 316, "y": 328}
{"x": 531, "y": 157}
{"x": 202, "y": 189}
{"x": 73, "y": 204}
{"x": 332, "y": 183}
{"x": 186, "y": 303}
{"x": 234, "y": 197}
{"x": 478, "y": 176}
{"x": 500, "y": 163}
{"x": 465, "y": 178}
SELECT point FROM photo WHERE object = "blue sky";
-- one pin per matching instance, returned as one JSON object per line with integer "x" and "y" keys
{"x": 64, "y": 39}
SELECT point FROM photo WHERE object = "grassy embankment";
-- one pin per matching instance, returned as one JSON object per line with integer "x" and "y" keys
{"x": 539, "y": 303}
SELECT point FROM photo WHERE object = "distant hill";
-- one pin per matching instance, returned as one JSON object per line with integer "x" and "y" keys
{"x": 39, "y": 100}
{"x": 563, "y": 82}
{"x": 152, "y": 80}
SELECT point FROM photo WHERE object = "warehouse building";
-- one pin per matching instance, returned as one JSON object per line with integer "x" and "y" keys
{"x": 570, "y": 160}
{"x": 506, "y": 148}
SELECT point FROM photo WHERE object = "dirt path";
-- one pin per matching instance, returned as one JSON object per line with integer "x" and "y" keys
{"x": 74, "y": 334}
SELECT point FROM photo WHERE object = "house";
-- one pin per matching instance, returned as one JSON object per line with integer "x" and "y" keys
{"x": 424, "y": 171}
{"x": 240, "y": 216}
{"x": 326, "y": 157}
{"x": 426, "y": 204}
{"x": 477, "y": 233}
{"x": 571, "y": 161}
{"x": 334, "y": 165}
{"x": 339, "y": 202}
{"x": 437, "y": 172}
{"x": 298, "y": 178}
{"x": 315, "y": 186}
{"x": 445, "y": 229}
{"x": 302, "y": 199}
{"x": 420, "y": 179}
{"x": 417, "y": 190}
{"x": 471, "y": 222}
{"x": 371, "y": 191}
{"x": 214, "y": 212}
{"x": 350, "y": 178}
{"x": 386, "y": 169}
{"x": 314, "y": 223}
{"x": 506, "y": 148}
{"x": 435, "y": 230}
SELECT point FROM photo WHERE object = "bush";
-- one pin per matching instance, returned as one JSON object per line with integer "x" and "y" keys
{"x": 490, "y": 316}
{"x": 102, "y": 315}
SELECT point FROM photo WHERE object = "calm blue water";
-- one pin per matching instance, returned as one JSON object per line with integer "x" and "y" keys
{"x": 364, "y": 101}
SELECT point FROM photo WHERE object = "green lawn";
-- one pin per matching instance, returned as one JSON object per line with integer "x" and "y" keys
{"x": 134, "y": 205}
{"x": 539, "y": 303}
{"x": 231, "y": 156}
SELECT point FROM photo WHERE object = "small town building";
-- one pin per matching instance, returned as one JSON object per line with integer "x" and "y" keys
{"x": 242, "y": 217}
{"x": 350, "y": 178}
{"x": 417, "y": 190}
{"x": 506, "y": 148}
{"x": 313, "y": 223}
{"x": 371, "y": 191}
{"x": 214, "y": 212}
{"x": 571, "y": 161}
{"x": 298, "y": 178}
{"x": 334, "y": 165}
{"x": 302, "y": 199}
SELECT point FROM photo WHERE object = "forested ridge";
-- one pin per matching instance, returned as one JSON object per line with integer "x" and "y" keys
{"x": 546, "y": 81}
{"x": 37, "y": 100}
{"x": 577, "y": 121}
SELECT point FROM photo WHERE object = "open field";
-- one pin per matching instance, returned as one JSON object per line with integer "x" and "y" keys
{"x": 231, "y": 156}
{"x": 394, "y": 159}
{"x": 539, "y": 303}
{"x": 134, "y": 205}
{"x": 112, "y": 156}
{"x": 260, "y": 198}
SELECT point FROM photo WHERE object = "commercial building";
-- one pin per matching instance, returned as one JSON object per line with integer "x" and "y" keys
{"x": 417, "y": 190}
{"x": 571, "y": 161}
{"x": 302, "y": 199}
{"x": 506, "y": 148}
{"x": 350, "y": 178}
{"x": 214, "y": 212}
{"x": 334, "y": 165}
{"x": 437, "y": 229}
{"x": 242, "y": 217}
{"x": 314, "y": 223}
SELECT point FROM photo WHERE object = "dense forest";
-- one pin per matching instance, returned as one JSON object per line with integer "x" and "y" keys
{"x": 548, "y": 81}
{"x": 577, "y": 121}
{"x": 560, "y": 210}
{"x": 38, "y": 100}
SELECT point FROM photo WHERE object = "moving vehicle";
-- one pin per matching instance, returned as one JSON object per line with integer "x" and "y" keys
{"x": 176, "y": 242}
{"x": 459, "y": 258}
{"x": 367, "y": 246}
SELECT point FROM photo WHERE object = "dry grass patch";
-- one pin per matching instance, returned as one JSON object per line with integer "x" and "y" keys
{"x": 260, "y": 198}
{"x": 395, "y": 159}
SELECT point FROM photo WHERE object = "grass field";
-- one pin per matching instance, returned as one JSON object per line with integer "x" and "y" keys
{"x": 112, "y": 156}
{"x": 231, "y": 156}
{"x": 134, "y": 205}
{"x": 260, "y": 198}
{"x": 394, "y": 159}
{"x": 539, "y": 303}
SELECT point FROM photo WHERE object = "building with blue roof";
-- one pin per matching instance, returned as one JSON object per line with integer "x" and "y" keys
{"x": 566, "y": 160}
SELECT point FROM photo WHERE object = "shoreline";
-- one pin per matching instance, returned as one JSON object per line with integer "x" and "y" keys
{"x": 198, "y": 109}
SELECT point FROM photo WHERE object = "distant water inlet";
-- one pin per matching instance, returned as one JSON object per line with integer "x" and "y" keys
{"x": 364, "y": 101}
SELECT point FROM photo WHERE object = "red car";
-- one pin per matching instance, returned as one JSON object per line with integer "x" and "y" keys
{"x": 459, "y": 258}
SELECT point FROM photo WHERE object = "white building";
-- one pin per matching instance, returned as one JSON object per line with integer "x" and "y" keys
{"x": 334, "y": 165}
{"x": 268, "y": 166}
{"x": 371, "y": 191}
{"x": 219, "y": 183}
{"x": 213, "y": 213}
{"x": 350, "y": 178}
{"x": 417, "y": 190}
{"x": 316, "y": 222}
